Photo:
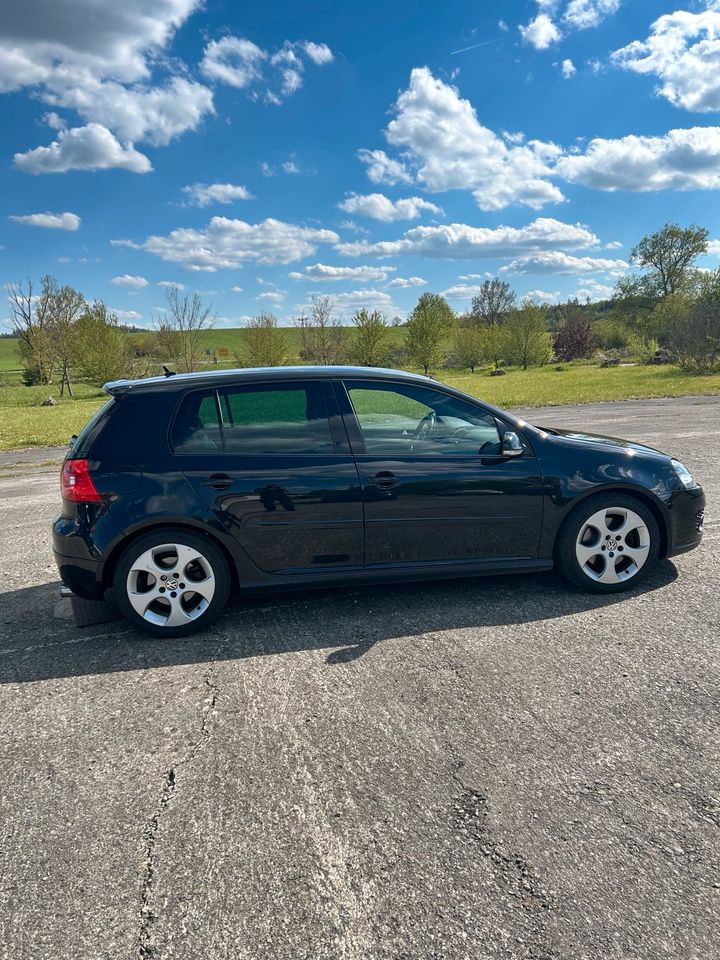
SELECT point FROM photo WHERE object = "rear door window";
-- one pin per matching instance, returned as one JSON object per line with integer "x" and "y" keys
{"x": 288, "y": 418}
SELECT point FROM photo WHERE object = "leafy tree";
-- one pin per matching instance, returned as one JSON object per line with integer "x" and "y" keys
{"x": 180, "y": 332}
{"x": 263, "y": 344}
{"x": 370, "y": 346}
{"x": 99, "y": 346}
{"x": 525, "y": 335}
{"x": 490, "y": 308}
{"x": 669, "y": 254}
{"x": 694, "y": 332}
{"x": 470, "y": 344}
{"x": 67, "y": 304}
{"x": 574, "y": 340}
{"x": 429, "y": 323}
{"x": 322, "y": 338}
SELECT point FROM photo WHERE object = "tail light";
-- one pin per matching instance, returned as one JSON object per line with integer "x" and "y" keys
{"x": 76, "y": 484}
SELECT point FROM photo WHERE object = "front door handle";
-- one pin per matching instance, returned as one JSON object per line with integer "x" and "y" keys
{"x": 218, "y": 481}
{"x": 385, "y": 479}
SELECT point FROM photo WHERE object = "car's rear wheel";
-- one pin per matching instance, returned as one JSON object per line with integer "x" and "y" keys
{"x": 608, "y": 543}
{"x": 171, "y": 582}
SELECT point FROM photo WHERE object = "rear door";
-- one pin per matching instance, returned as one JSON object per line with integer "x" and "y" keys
{"x": 273, "y": 461}
{"x": 435, "y": 486}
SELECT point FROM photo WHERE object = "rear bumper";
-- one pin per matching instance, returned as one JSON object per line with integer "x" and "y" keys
{"x": 82, "y": 576}
{"x": 686, "y": 516}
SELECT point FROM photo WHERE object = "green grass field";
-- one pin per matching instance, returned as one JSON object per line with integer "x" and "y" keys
{"x": 25, "y": 423}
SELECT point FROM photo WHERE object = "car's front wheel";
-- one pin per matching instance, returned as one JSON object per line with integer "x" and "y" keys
{"x": 171, "y": 582}
{"x": 608, "y": 543}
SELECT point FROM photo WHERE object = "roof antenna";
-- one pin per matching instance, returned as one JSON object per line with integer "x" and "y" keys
{"x": 168, "y": 372}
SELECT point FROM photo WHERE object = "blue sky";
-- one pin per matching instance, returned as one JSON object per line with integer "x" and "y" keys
{"x": 262, "y": 154}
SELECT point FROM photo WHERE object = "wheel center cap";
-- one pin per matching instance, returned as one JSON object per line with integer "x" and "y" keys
{"x": 611, "y": 544}
{"x": 171, "y": 583}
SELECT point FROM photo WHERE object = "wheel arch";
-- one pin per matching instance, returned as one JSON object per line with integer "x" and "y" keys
{"x": 124, "y": 542}
{"x": 643, "y": 496}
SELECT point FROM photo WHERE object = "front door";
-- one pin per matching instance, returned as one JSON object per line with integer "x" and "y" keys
{"x": 266, "y": 458}
{"x": 435, "y": 486}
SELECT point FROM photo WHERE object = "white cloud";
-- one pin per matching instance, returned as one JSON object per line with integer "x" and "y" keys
{"x": 458, "y": 241}
{"x": 713, "y": 248}
{"x": 228, "y": 243}
{"x": 614, "y": 245}
{"x": 568, "y": 69}
{"x": 594, "y": 290}
{"x": 99, "y": 37}
{"x": 126, "y": 280}
{"x": 290, "y": 167}
{"x": 83, "y": 148}
{"x": 582, "y": 14}
{"x": 319, "y": 272}
{"x": 318, "y": 52}
{"x": 380, "y": 207}
{"x": 236, "y": 289}
{"x": 97, "y": 57}
{"x": 132, "y": 315}
{"x": 450, "y": 149}
{"x": 204, "y": 194}
{"x": 683, "y": 52}
{"x": 271, "y": 296}
{"x": 353, "y": 227}
{"x": 462, "y": 291}
{"x": 370, "y": 299}
{"x": 407, "y": 282}
{"x": 679, "y": 160}
{"x": 558, "y": 262}
{"x": 153, "y": 114}
{"x": 54, "y": 221}
{"x": 171, "y": 283}
{"x": 382, "y": 169}
{"x": 272, "y": 76}
{"x": 541, "y": 32}
{"x": 470, "y": 276}
{"x": 544, "y": 296}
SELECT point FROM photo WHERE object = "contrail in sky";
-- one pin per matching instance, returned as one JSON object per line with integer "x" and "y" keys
{"x": 485, "y": 43}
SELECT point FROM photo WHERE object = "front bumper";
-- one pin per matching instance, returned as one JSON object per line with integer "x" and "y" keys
{"x": 686, "y": 516}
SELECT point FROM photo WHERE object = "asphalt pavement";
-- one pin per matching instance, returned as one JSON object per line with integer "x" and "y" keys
{"x": 467, "y": 770}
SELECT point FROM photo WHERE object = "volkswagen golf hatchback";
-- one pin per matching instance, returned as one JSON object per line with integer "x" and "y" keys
{"x": 185, "y": 487}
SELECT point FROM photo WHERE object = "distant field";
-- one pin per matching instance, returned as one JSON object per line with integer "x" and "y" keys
{"x": 9, "y": 359}
{"x": 24, "y": 423}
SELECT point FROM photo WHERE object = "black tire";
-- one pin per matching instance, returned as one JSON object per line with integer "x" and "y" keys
{"x": 194, "y": 610}
{"x": 566, "y": 545}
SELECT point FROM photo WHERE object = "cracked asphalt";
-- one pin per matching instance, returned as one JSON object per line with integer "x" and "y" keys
{"x": 469, "y": 770}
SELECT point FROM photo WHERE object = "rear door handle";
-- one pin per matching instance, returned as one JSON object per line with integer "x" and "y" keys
{"x": 218, "y": 481}
{"x": 385, "y": 479}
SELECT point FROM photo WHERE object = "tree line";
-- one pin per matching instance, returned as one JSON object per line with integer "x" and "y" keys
{"x": 669, "y": 311}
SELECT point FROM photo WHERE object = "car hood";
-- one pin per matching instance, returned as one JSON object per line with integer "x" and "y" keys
{"x": 598, "y": 440}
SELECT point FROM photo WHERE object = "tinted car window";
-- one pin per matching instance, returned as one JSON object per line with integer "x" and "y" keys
{"x": 420, "y": 421}
{"x": 291, "y": 418}
{"x": 197, "y": 425}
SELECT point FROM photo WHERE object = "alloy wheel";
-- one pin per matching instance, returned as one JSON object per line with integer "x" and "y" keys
{"x": 170, "y": 585}
{"x": 613, "y": 545}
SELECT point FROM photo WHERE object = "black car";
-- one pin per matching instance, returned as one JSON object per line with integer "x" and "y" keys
{"x": 184, "y": 487}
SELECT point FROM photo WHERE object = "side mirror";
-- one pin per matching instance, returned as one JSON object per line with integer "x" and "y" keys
{"x": 511, "y": 445}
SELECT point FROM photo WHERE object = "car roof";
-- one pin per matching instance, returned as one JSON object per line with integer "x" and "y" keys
{"x": 216, "y": 378}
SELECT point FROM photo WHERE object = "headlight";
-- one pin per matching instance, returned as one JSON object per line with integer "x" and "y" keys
{"x": 686, "y": 478}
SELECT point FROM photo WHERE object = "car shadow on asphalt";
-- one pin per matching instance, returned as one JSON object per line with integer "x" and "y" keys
{"x": 38, "y": 641}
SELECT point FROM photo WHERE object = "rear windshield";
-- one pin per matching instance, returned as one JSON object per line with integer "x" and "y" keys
{"x": 80, "y": 446}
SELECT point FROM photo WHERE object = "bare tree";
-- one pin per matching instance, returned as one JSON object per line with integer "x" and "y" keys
{"x": 180, "y": 332}
{"x": 490, "y": 308}
{"x": 44, "y": 324}
{"x": 322, "y": 338}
